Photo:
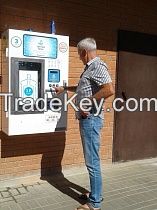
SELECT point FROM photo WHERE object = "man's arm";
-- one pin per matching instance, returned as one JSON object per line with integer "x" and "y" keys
{"x": 106, "y": 90}
{"x": 69, "y": 88}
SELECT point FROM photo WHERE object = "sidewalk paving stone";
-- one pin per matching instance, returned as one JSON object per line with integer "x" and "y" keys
{"x": 127, "y": 186}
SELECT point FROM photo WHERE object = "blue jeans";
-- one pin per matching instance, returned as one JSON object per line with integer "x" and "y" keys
{"x": 90, "y": 135}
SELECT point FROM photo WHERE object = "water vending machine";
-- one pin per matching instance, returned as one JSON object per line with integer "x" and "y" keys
{"x": 32, "y": 64}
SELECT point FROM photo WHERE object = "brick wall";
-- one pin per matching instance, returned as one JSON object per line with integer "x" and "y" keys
{"x": 48, "y": 153}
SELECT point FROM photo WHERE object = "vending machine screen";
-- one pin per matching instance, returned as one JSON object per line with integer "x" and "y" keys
{"x": 38, "y": 46}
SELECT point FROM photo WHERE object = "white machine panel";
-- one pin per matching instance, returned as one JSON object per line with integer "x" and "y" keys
{"x": 32, "y": 63}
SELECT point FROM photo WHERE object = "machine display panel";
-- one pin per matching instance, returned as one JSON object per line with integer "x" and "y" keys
{"x": 39, "y": 46}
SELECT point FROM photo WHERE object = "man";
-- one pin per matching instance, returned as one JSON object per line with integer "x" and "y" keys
{"x": 94, "y": 84}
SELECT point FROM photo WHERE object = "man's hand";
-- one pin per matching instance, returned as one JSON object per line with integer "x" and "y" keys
{"x": 84, "y": 115}
{"x": 59, "y": 90}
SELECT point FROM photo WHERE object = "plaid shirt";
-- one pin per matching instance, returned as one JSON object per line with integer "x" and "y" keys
{"x": 94, "y": 75}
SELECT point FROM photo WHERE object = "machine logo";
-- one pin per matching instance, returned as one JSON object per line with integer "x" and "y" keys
{"x": 16, "y": 41}
{"x": 63, "y": 47}
{"x": 28, "y": 91}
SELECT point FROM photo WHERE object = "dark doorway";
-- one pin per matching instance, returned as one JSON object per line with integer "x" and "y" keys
{"x": 135, "y": 135}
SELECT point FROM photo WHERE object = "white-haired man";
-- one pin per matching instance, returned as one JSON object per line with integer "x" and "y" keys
{"x": 94, "y": 84}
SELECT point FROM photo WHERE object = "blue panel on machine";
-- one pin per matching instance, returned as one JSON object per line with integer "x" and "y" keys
{"x": 53, "y": 75}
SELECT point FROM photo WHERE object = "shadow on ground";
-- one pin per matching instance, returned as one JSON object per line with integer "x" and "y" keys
{"x": 66, "y": 187}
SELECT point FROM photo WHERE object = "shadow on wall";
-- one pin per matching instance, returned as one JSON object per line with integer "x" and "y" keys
{"x": 51, "y": 146}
